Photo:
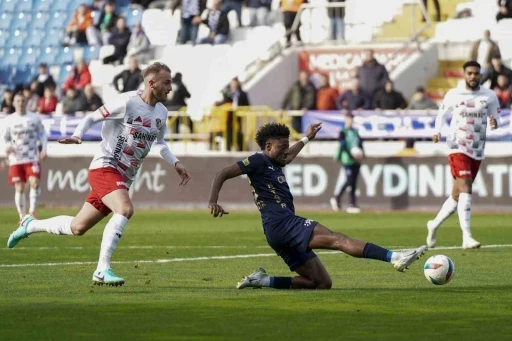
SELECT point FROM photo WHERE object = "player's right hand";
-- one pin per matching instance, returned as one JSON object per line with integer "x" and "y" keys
{"x": 436, "y": 138}
{"x": 71, "y": 140}
{"x": 217, "y": 210}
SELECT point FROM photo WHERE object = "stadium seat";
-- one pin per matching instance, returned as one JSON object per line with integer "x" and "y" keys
{"x": 8, "y": 5}
{"x": 4, "y": 34}
{"x": 6, "y": 74}
{"x": 30, "y": 56}
{"x": 58, "y": 20}
{"x": 16, "y": 39}
{"x": 5, "y": 20}
{"x": 133, "y": 17}
{"x": 53, "y": 38}
{"x": 60, "y": 5}
{"x": 91, "y": 53}
{"x": 21, "y": 21}
{"x": 42, "y": 5}
{"x": 39, "y": 21}
{"x": 34, "y": 38}
{"x": 49, "y": 55}
{"x": 63, "y": 73}
{"x": 24, "y": 5}
{"x": 161, "y": 27}
{"x": 11, "y": 56}
{"x": 66, "y": 55}
{"x": 23, "y": 75}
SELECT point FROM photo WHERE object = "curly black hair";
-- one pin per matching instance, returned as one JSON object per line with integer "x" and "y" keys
{"x": 271, "y": 131}
{"x": 470, "y": 64}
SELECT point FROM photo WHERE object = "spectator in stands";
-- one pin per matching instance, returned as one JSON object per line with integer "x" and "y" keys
{"x": 301, "y": 95}
{"x": 505, "y": 10}
{"x": 234, "y": 95}
{"x": 389, "y": 98}
{"x": 131, "y": 78}
{"x": 420, "y": 100}
{"x": 337, "y": 16}
{"x": 143, "y": 3}
{"x": 290, "y": 9}
{"x": 355, "y": 98}
{"x": 73, "y": 101}
{"x": 438, "y": 10}
{"x": 7, "y": 107}
{"x": 233, "y": 5}
{"x": 191, "y": 11}
{"x": 120, "y": 38}
{"x": 80, "y": 27}
{"x": 47, "y": 103}
{"x": 43, "y": 79}
{"x": 218, "y": 24}
{"x": 179, "y": 94}
{"x": 372, "y": 75}
{"x": 79, "y": 77}
{"x": 483, "y": 50}
{"x": 326, "y": 95}
{"x": 496, "y": 69}
{"x": 91, "y": 98}
{"x": 139, "y": 44}
{"x": 31, "y": 97}
{"x": 503, "y": 91}
{"x": 258, "y": 12}
{"x": 105, "y": 26}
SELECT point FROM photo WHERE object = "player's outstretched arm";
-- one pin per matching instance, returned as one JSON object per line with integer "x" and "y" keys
{"x": 225, "y": 174}
{"x": 297, "y": 147}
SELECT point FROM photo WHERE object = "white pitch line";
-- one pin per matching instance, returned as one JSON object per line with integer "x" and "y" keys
{"x": 190, "y": 259}
{"x": 141, "y": 247}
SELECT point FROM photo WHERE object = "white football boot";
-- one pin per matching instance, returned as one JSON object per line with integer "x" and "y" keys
{"x": 254, "y": 280}
{"x": 407, "y": 257}
{"x": 470, "y": 243}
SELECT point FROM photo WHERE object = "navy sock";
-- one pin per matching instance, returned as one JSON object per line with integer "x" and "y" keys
{"x": 281, "y": 282}
{"x": 373, "y": 251}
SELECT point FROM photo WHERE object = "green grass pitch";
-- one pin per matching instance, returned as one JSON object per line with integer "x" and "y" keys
{"x": 181, "y": 270}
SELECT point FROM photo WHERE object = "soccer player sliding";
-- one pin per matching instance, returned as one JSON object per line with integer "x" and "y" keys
{"x": 293, "y": 237}
{"x": 134, "y": 122}
{"x": 471, "y": 106}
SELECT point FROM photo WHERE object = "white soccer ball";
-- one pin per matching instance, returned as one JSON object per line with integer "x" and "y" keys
{"x": 356, "y": 152}
{"x": 439, "y": 269}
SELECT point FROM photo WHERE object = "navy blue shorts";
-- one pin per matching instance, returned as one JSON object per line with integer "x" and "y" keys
{"x": 290, "y": 239}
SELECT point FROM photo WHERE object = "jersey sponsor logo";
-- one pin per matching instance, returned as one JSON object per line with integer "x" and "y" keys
{"x": 119, "y": 147}
{"x": 122, "y": 184}
{"x": 104, "y": 112}
{"x": 472, "y": 114}
{"x": 144, "y": 136}
{"x": 246, "y": 162}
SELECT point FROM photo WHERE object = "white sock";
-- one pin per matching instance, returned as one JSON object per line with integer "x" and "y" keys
{"x": 21, "y": 203}
{"x": 464, "y": 210}
{"x": 33, "y": 195}
{"x": 448, "y": 208}
{"x": 56, "y": 225}
{"x": 111, "y": 235}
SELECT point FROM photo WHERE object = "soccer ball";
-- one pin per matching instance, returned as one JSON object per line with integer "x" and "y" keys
{"x": 357, "y": 153}
{"x": 439, "y": 269}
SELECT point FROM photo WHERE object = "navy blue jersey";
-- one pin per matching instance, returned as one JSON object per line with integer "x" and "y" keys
{"x": 269, "y": 187}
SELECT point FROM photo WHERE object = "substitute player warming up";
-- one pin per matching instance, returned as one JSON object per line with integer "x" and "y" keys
{"x": 133, "y": 123}
{"x": 21, "y": 132}
{"x": 470, "y": 106}
{"x": 293, "y": 237}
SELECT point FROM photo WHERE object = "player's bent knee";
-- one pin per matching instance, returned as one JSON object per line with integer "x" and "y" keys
{"x": 78, "y": 228}
{"x": 324, "y": 284}
{"x": 126, "y": 211}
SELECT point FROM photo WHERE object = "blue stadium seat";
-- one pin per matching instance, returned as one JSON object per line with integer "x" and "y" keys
{"x": 133, "y": 17}
{"x": 53, "y": 38}
{"x": 96, "y": 17}
{"x": 58, "y": 20}
{"x": 5, "y": 20}
{"x": 11, "y": 56}
{"x": 30, "y": 56}
{"x": 39, "y": 21}
{"x": 8, "y": 5}
{"x": 24, "y": 5}
{"x": 49, "y": 55}
{"x": 60, "y": 5}
{"x": 64, "y": 73}
{"x": 42, "y": 5}
{"x": 123, "y": 11}
{"x": 33, "y": 38}
{"x": 16, "y": 39}
{"x": 23, "y": 75}
{"x": 122, "y": 3}
{"x": 6, "y": 74}
{"x": 4, "y": 34}
{"x": 21, "y": 21}
{"x": 91, "y": 53}
{"x": 66, "y": 55}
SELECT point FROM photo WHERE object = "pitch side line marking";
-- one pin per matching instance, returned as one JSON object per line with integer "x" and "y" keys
{"x": 189, "y": 259}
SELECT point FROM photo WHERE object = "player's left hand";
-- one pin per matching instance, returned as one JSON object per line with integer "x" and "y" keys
{"x": 313, "y": 129}
{"x": 182, "y": 172}
{"x": 42, "y": 156}
{"x": 493, "y": 122}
